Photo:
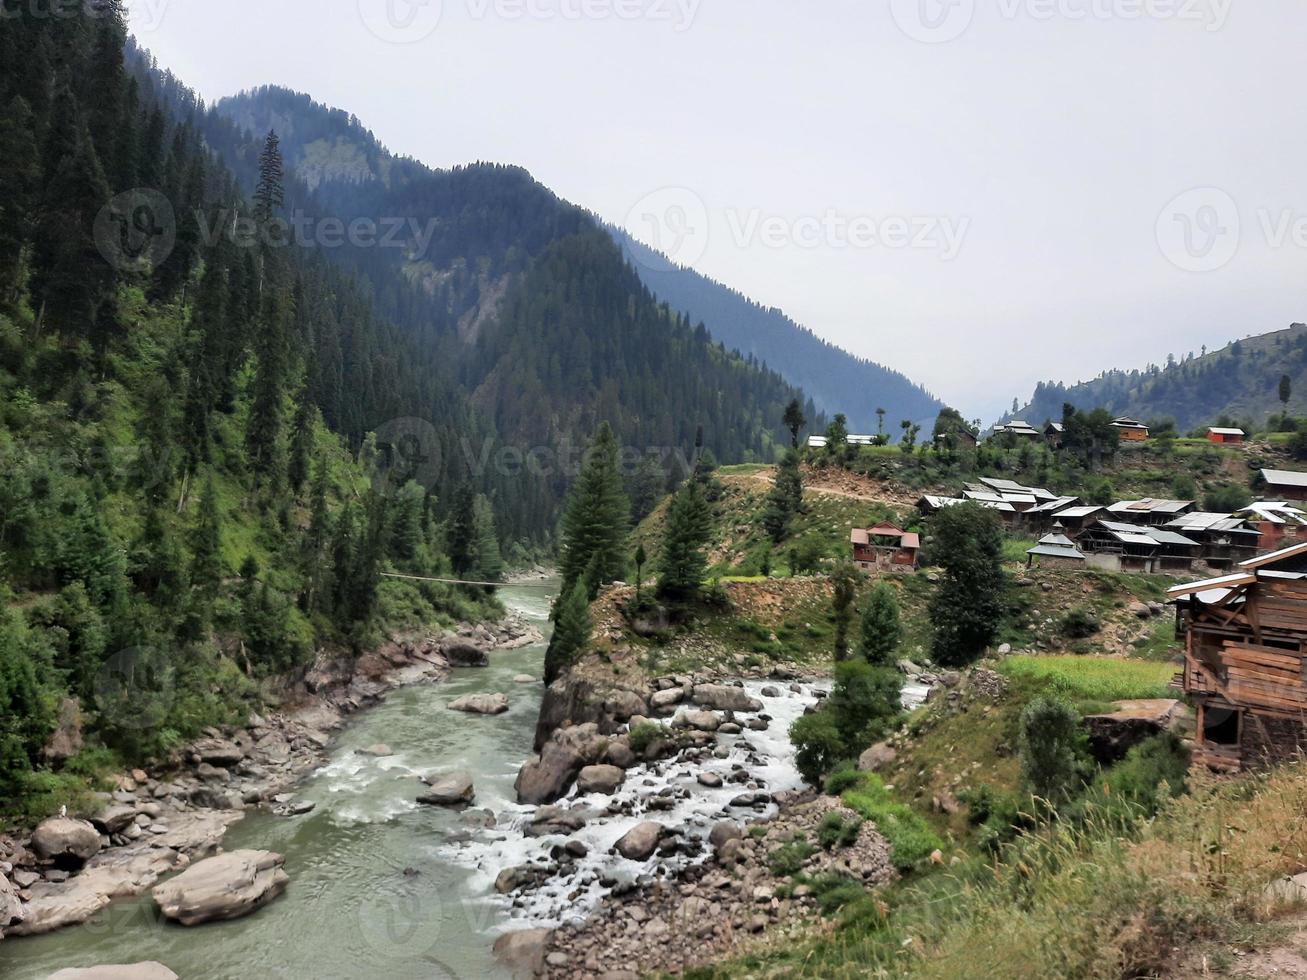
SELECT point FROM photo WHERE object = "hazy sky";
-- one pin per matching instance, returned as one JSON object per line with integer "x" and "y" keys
{"x": 981, "y": 193}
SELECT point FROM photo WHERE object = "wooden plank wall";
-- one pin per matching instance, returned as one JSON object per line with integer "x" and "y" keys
{"x": 1260, "y": 676}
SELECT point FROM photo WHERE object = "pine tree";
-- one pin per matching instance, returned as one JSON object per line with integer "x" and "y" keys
{"x": 461, "y": 532}
{"x": 682, "y": 564}
{"x": 785, "y": 499}
{"x": 571, "y": 616}
{"x": 844, "y": 589}
{"x": 881, "y": 629}
{"x": 596, "y": 520}
{"x": 301, "y": 443}
{"x": 794, "y": 421}
{"x": 489, "y": 561}
{"x": 19, "y": 183}
{"x": 269, "y": 193}
{"x": 206, "y": 544}
{"x": 968, "y": 605}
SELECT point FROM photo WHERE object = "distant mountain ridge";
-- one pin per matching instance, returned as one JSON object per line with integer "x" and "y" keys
{"x": 1240, "y": 381}
{"x": 836, "y": 380}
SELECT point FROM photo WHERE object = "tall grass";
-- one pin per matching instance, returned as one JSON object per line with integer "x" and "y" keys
{"x": 1091, "y": 678}
{"x": 1090, "y": 901}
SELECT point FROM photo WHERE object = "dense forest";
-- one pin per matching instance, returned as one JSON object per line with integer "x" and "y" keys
{"x": 837, "y": 381}
{"x": 1241, "y": 381}
{"x": 215, "y": 446}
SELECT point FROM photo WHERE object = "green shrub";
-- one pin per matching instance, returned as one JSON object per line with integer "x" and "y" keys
{"x": 643, "y": 734}
{"x": 1080, "y": 624}
{"x": 788, "y": 859}
{"x": 819, "y": 745}
{"x": 865, "y": 703}
{"x": 845, "y": 776}
{"x": 834, "y": 891}
{"x": 834, "y": 831}
{"x": 1054, "y": 750}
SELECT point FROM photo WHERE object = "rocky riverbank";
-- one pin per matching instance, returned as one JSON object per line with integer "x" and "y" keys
{"x": 162, "y": 820}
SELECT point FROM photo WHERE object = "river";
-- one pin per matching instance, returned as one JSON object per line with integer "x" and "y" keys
{"x": 382, "y": 886}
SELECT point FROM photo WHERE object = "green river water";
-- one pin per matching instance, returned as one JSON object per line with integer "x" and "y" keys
{"x": 350, "y": 910}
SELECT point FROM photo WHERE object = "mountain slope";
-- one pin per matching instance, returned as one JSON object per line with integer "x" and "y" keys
{"x": 836, "y": 380}
{"x": 523, "y": 297}
{"x": 1239, "y": 381}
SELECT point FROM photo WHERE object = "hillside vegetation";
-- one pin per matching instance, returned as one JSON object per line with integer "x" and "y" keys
{"x": 1239, "y": 382}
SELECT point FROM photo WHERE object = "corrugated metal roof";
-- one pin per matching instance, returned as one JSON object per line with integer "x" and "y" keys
{"x": 1276, "y": 512}
{"x": 1285, "y": 478}
{"x": 1083, "y": 511}
{"x": 1055, "y": 551}
{"x": 1293, "y": 551}
{"x": 1170, "y": 537}
{"x": 1217, "y": 430}
{"x": 1149, "y": 505}
{"x": 1057, "y": 539}
{"x": 1204, "y": 585}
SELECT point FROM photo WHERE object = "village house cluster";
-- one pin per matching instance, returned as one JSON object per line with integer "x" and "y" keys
{"x": 1149, "y": 535}
{"x": 1130, "y": 430}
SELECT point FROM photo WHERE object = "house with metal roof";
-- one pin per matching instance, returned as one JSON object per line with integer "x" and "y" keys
{"x": 1055, "y": 550}
{"x": 1277, "y": 522}
{"x": 1226, "y": 538}
{"x": 1117, "y": 546}
{"x": 1282, "y": 484}
{"x": 1245, "y": 639}
{"x": 885, "y": 548}
{"x": 1225, "y": 436}
{"x": 1149, "y": 510}
{"x": 1130, "y": 430}
{"x": 1019, "y": 428}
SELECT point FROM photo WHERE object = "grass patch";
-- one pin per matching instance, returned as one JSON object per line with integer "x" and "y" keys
{"x": 910, "y": 837}
{"x": 1090, "y": 678}
{"x": 788, "y": 859}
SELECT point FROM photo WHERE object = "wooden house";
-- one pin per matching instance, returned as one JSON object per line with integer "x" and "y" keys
{"x": 1282, "y": 484}
{"x": 1053, "y": 433}
{"x": 1150, "y": 510}
{"x": 885, "y": 548}
{"x": 1226, "y": 437}
{"x": 1120, "y": 547}
{"x": 1226, "y": 538}
{"x": 1277, "y": 522}
{"x": 1018, "y": 428}
{"x": 1131, "y": 430}
{"x": 1245, "y": 638}
{"x": 1075, "y": 519}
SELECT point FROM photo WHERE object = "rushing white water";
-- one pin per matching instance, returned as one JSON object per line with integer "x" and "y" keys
{"x": 767, "y": 757}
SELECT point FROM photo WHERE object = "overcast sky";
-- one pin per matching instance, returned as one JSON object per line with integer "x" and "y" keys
{"x": 981, "y": 193}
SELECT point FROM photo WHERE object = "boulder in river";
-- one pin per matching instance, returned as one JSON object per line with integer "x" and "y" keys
{"x": 545, "y": 778}
{"x": 462, "y": 653}
{"x": 551, "y": 820}
{"x": 217, "y": 752}
{"x": 703, "y": 721}
{"x": 722, "y": 697}
{"x": 150, "y": 970}
{"x": 600, "y": 779}
{"x": 224, "y": 887}
{"x": 379, "y": 751}
{"x": 11, "y": 909}
{"x": 523, "y": 951}
{"x": 665, "y": 701}
{"x": 115, "y": 818}
{"x": 639, "y": 843}
{"x": 65, "y": 841}
{"x": 452, "y": 789}
{"x": 481, "y": 704}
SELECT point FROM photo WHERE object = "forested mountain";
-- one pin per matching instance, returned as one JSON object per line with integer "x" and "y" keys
{"x": 524, "y": 297}
{"x": 219, "y": 426}
{"x": 834, "y": 379}
{"x": 1241, "y": 381}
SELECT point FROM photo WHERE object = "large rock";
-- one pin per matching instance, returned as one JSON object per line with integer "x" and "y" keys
{"x": 877, "y": 757}
{"x": 620, "y": 704}
{"x": 721, "y": 697}
{"x": 11, "y": 909}
{"x": 65, "y": 841}
{"x": 114, "y": 819}
{"x": 149, "y": 970}
{"x": 461, "y": 653}
{"x": 553, "y": 820}
{"x": 66, "y": 741}
{"x": 545, "y": 778}
{"x": 600, "y": 779}
{"x": 664, "y": 701}
{"x": 723, "y": 832}
{"x": 217, "y": 752}
{"x": 224, "y": 887}
{"x": 481, "y": 704}
{"x": 523, "y": 952}
{"x": 1114, "y": 734}
{"x": 453, "y": 789}
{"x": 639, "y": 843}
{"x": 704, "y": 721}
